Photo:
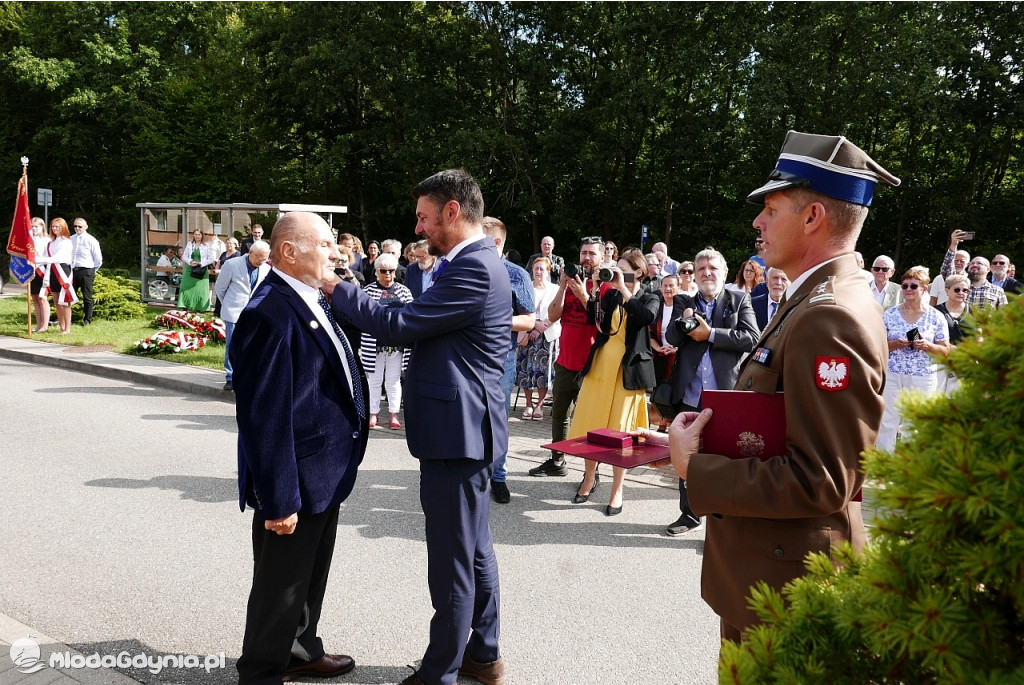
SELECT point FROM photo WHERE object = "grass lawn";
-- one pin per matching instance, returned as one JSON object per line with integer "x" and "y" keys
{"x": 119, "y": 335}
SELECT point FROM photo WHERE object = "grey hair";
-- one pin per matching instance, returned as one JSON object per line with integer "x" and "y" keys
{"x": 385, "y": 260}
{"x": 711, "y": 254}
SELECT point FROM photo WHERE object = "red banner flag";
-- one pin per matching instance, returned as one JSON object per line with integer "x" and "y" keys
{"x": 20, "y": 241}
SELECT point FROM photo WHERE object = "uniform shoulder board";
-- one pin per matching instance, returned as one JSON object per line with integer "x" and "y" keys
{"x": 824, "y": 293}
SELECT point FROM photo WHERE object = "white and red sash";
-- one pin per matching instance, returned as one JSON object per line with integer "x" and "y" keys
{"x": 67, "y": 295}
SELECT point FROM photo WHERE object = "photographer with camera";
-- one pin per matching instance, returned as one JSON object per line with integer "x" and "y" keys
{"x": 620, "y": 367}
{"x": 570, "y": 307}
{"x": 712, "y": 331}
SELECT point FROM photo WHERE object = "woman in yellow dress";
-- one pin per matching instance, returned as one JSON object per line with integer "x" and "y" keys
{"x": 620, "y": 368}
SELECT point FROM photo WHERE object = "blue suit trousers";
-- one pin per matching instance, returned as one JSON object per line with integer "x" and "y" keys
{"x": 462, "y": 572}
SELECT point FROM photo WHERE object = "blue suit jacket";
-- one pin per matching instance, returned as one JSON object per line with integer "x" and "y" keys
{"x": 300, "y": 439}
{"x": 459, "y": 331}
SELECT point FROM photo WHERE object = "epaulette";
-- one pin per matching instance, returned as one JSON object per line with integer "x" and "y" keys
{"x": 823, "y": 294}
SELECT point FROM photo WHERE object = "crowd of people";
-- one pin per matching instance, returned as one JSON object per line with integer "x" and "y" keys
{"x": 65, "y": 269}
{"x": 612, "y": 338}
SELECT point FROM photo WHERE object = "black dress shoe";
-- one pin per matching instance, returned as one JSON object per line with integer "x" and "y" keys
{"x": 580, "y": 499}
{"x": 612, "y": 511}
{"x": 327, "y": 666}
{"x": 412, "y": 680}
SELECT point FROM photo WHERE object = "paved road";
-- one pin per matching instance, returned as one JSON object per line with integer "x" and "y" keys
{"x": 121, "y": 532}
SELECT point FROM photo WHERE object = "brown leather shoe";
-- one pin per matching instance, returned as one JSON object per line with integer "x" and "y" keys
{"x": 327, "y": 666}
{"x": 492, "y": 673}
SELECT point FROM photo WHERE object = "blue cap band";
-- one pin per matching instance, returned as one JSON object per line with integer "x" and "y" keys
{"x": 835, "y": 184}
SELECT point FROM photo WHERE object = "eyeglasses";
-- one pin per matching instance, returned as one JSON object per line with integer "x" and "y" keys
{"x": 592, "y": 240}
{"x": 961, "y": 290}
{"x": 686, "y": 271}
{"x": 386, "y": 271}
{"x": 879, "y": 268}
{"x": 611, "y": 248}
{"x": 910, "y": 286}
{"x": 999, "y": 263}
{"x": 81, "y": 226}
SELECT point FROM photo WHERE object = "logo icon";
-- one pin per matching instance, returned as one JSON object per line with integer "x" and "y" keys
{"x": 25, "y": 655}
{"x": 833, "y": 373}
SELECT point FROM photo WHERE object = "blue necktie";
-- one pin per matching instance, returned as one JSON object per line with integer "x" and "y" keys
{"x": 440, "y": 267}
{"x": 772, "y": 307}
{"x": 357, "y": 386}
{"x": 253, "y": 275}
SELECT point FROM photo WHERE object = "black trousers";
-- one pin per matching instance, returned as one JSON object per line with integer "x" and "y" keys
{"x": 288, "y": 585}
{"x": 81, "y": 280}
{"x": 684, "y": 501}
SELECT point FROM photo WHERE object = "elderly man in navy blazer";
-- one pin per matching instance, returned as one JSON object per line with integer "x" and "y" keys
{"x": 300, "y": 403}
{"x": 459, "y": 332}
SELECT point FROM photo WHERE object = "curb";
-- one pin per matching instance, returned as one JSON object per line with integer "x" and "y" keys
{"x": 191, "y": 380}
{"x": 12, "y": 631}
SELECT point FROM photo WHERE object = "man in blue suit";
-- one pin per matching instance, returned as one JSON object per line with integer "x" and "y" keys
{"x": 459, "y": 331}
{"x": 767, "y": 304}
{"x": 300, "y": 403}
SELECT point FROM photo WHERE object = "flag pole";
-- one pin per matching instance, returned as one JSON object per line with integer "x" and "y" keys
{"x": 28, "y": 284}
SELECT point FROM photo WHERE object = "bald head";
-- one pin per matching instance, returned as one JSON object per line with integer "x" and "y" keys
{"x": 302, "y": 246}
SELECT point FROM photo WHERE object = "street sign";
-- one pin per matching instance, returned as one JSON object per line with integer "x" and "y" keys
{"x": 44, "y": 197}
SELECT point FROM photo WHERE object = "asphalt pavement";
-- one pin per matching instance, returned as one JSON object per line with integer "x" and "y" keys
{"x": 124, "y": 541}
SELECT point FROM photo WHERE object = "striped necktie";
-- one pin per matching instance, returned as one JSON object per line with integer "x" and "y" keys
{"x": 353, "y": 367}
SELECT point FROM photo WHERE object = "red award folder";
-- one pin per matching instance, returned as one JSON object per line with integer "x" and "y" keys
{"x": 638, "y": 454}
{"x": 745, "y": 424}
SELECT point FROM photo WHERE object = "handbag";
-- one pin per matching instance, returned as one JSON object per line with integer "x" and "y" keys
{"x": 661, "y": 398}
{"x": 199, "y": 272}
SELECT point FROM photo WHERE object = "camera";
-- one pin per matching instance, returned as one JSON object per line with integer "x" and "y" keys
{"x": 573, "y": 270}
{"x": 689, "y": 323}
{"x": 605, "y": 274}
{"x": 913, "y": 334}
{"x": 968, "y": 235}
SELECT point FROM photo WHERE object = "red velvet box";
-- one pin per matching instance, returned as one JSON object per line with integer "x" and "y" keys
{"x": 607, "y": 437}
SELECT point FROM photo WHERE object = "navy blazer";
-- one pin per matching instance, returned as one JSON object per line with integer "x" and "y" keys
{"x": 736, "y": 333}
{"x": 300, "y": 439}
{"x": 760, "y": 305}
{"x": 459, "y": 332}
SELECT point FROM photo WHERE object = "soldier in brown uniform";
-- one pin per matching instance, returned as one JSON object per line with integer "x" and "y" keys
{"x": 826, "y": 348}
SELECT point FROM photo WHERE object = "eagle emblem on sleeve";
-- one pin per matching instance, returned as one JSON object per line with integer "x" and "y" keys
{"x": 833, "y": 373}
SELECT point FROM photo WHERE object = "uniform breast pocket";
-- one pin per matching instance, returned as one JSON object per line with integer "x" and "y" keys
{"x": 759, "y": 378}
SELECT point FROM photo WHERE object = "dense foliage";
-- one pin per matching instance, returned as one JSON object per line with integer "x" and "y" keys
{"x": 938, "y": 596}
{"x": 577, "y": 118}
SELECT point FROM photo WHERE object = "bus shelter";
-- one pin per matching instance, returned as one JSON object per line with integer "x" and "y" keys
{"x": 166, "y": 227}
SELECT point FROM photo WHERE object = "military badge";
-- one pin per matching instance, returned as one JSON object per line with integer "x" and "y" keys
{"x": 833, "y": 373}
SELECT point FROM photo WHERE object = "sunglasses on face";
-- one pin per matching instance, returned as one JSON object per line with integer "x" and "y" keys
{"x": 910, "y": 286}
{"x": 961, "y": 290}
{"x": 758, "y": 242}
{"x": 879, "y": 268}
{"x": 386, "y": 271}
{"x": 998, "y": 263}
{"x": 686, "y": 271}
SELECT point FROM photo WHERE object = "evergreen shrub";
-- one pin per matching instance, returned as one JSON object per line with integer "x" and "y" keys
{"x": 115, "y": 298}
